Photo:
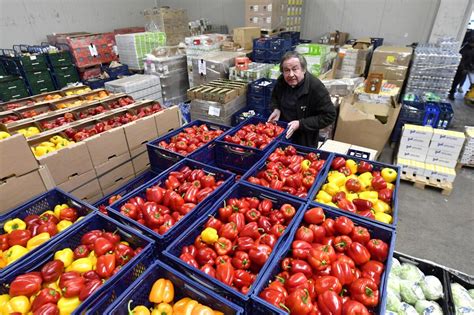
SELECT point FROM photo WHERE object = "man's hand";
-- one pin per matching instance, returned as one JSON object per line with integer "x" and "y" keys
{"x": 292, "y": 127}
{"x": 275, "y": 115}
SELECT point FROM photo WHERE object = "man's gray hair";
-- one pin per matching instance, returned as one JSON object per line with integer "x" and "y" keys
{"x": 293, "y": 54}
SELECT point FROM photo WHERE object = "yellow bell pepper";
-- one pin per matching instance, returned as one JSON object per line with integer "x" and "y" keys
{"x": 184, "y": 306}
{"x": 14, "y": 224}
{"x": 3, "y": 260}
{"x": 93, "y": 259}
{"x": 162, "y": 291}
{"x": 140, "y": 310}
{"x": 14, "y": 253}
{"x": 19, "y": 304}
{"x": 371, "y": 196}
{"x": 365, "y": 184}
{"x": 366, "y": 176}
{"x": 352, "y": 165}
{"x": 125, "y": 243}
{"x": 351, "y": 196}
{"x": 305, "y": 164}
{"x": 81, "y": 265}
{"x": 332, "y": 204}
{"x": 202, "y": 310}
{"x": 37, "y": 240}
{"x": 49, "y": 212}
{"x": 4, "y": 298}
{"x": 65, "y": 255}
{"x": 218, "y": 313}
{"x": 383, "y": 217}
{"x": 323, "y": 196}
{"x": 52, "y": 285}
{"x": 63, "y": 224}
{"x": 209, "y": 235}
{"x": 163, "y": 309}
{"x": 388, "y": 174}
{"x": 80, "y": 218}
{"x": 331, "y": 188}
{"x": 390, "y": 186}
{"x": 7, "y": 309}
{"x": 58, "y": 208}
{"x": 68, "y": 305}
{"x": 337, "y": 178}
{"x": 382, "y": 206}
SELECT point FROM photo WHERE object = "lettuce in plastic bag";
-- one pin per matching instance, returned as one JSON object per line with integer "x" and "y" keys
{"x": 471, "y": 293}
{"x": 428, "y": 308}
{"x": 393, "y": 301}
{"x": 411, "y": 291}
{"x": 394, "y": 284}
{"x": 396, "y": 267}
{"x": 462, "y": 299}
{"x": 410, "y": 272}
{"x": 464, "y": 311}
{"x": 432, "y": 288}
{"x": 391, "y": 313}
{"x": 407, "y": 309}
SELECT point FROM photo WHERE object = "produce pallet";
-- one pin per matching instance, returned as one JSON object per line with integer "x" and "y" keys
{"x": 421, "y": 182}
{"x": 461, "y": 165}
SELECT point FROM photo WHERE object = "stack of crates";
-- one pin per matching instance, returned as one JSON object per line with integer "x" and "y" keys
{"x": 12, "y": 87}
{"x": 412, "y": 112}
{"x": 270, "y": 49}
{"x": 62, "y": 68}
{"x": 259, "y": 95}
{"x": 31, "y": 66}
{"x": 294, "y": 37}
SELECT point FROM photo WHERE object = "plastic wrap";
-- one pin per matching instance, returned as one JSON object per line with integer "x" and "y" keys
{"x": 132, "y": 48}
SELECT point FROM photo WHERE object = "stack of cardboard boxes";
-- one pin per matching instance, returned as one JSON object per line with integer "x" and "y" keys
{"x": 174, "y": 22}
{"x": 21, "y": 178}
{"x": 269, "y": 15}
{"x": 138, "y": 86}
{"x": 467, "y": 157}
{"x": 133, "y": 48}
{"x": 429, "y": 153}
{"x": 317, "y": 57}
{"x": 294, "y": 15}
{"x": 392, "y": 62}
{"x": 213, "y": 66}
{"x": 352, "y": 61}
{"x": 244, "y": 36}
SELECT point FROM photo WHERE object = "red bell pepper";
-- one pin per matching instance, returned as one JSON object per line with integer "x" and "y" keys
{"x": 47, "y": 309}
{"x": 264, "y": 223}
{"x": 18, "y": 237}
{"x": 342, "y": 271}
{"x": 365, "y": 291}
{"x": 358, "y": 253}
{"x": 345, "y": 170}
{"x": 250, "y": 230}
{"x": 329, "y": 226}
{"x": 362, "y": 204}
{"x": 208, "y": 270}
{"x": 105, "y": 265}
{"x": 300, "y": 249}
{"x": 353, "y": 185}
{"x": 130, "y": 210}
{"x": 252, "y": 215}
{"x": 314, "y": 215}
{"x": 326, "y": 283}
{"x": 48, "y": 227}
{"x": 343, "y": 225}
{"x": 172, "y": 182}
{"x": 347, "y": 205}
{"x": 102, "y": 246}
{"x": 223, "y": 246}
{"x": 243, "y": 278}
{"x": 372, "y": 270}
{"x": 299, "y": 265}
{"x": 26, "y": 284}
{"x": 241, "y": 260}
{"x": 342, "y": 243}
{"x": 203, "y": 193}
{"x": 364, "y": 167}
{"x": 273, "y": 297}
{"x": 278, "y": 230}
{"x": 338, "y": 162}
{"x": 71, "y": 284}
{"x": 81, "y": 251}
{"x": 89, "y": 288}
{"x": 229, "y": 231}
{"x": 378, "y": 249}
{"x": 265, "y": 207}
{"x": 52, "y": 270}
{"x": 268, "y": 239}
{"x": 318, "y": 259}
{"x": 45, "y": 296}
{"x": 205, "y": 256}
{"x": 378, "y": 183}
{"x": 330, "y": 303}
{"x": 239, "y": 220}
{"x": 154, "y": 194}
{"x": 299, "y": 302}
{"x": 189, "y": 259}
{"x": 123, "y": 254}
{"x": 225, "y": 273}
{"x": 386, "y": 195}
{"x": 352, "y": 307}
{"x": 69, "y": 214}
{"x": 360, "y": 234}
{"x": 259, "y": 254}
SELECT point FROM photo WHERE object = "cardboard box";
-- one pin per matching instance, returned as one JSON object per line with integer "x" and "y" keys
{"x": 366, "y": 124}
{"x": 244, "y": 36}
{"x": 412, "y": 149}
{"x": 16, "y": 158}
{"x": 420, "y": 132}
{"x": 266, "y": 14}
{"x": 168, "y": 120}
{"x": 107, "y": 145}
{"x": 448, "y": 136}
{"x": 396, "y": 73}
{"x": 18, "y": 189}
{"x": 213, "y": 66}
{"x": 392, "y": 56}
{"x": 446, "y": 146}
{"x": 443, "y": 153}
{"x": 68, "y": 162}
{"x": 140, "y": 159}
{"x": 411, "y": 167}
{"x": 84, "y": 186}
{"x": 140, "y": 131}
{"x": 414, "y": 141}
{"x": 412, "y": 155}
{"x": 338, "y": 38}
{"x": 113, "y": 171}
{"x": 430, "y": 159}
{"x": 440, "y": 173}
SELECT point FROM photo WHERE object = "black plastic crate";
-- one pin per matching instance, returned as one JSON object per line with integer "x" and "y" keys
{"x": 464, "y": 280}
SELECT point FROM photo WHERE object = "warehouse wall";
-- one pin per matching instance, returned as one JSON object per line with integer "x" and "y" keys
{"x": 28, "y": 21}
{"x": 398, "y": 21}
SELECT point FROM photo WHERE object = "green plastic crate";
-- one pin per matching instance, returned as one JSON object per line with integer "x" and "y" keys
{"x": 34, "y": 63}
{"x": 45, "y": 86}
{"x": 62, "y": 58}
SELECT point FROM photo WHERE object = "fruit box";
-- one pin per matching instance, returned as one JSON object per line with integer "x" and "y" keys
{"x": 38, "y": 205}
{"x": 260, "y": 306}
{"x": 173, "y": 251}
{"x": 139, "y": 291}
{"x": 161, "y": 158}
{"x": 17, "y": 104}
{"x": 37, "y": 110}
{"x": 163, "y": 240}
{"x": 235, "y": 155}
{"x": 72, "y": 239}
{"x": 16, "y": 157}
{"x": 429, "y": 270}
{"x": 301, "y": 150}
{"x": 377, "y": 166}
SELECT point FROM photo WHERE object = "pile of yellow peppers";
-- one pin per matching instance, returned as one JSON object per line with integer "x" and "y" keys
{"x": 162, "y": 294}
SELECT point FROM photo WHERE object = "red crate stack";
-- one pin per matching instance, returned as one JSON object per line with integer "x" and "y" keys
{"x": 92, "y": 49}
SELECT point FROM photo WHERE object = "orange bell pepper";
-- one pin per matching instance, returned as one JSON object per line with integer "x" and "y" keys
{"x": 162, "y": 291}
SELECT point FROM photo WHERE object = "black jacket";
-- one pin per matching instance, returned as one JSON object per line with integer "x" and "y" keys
{"x": 314, "y": 108}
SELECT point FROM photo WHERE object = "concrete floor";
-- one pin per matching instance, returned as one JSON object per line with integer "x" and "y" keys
{"x": 436, "y": 227}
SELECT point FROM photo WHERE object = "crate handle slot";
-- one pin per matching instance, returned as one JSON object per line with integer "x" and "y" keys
{"x": 195, "y": 291}
{"x": 232, "y": 150}
{"x": 166, "y": 156}
{"x": 112, "y": 156}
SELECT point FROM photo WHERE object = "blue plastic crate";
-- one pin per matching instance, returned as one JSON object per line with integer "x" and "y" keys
{"x": 377, "y": 166}
{"x": 376, "y": 41}
{"x": 291, "y": 35}
{"x": 280, "y": 44}
{"x": 258, "y": 86}
{"x": 163, "y": 240}
{"x": 183, "y": 287}
{"x": 414, "y": 112}
{"x": 275, "y": 56}
{"x": 72, "y": 239}
{"x": 37, "y": 206}
{"x": 261, "y": 43}
{"x": 260, "y": 54}
{"x": 237, "y": 191}
{"x": 257, "y": 102}
{"x": 126, "y": 188}
{"x": 115, "y": 72}
{"x": 431, "y": 115}
{"x": 262, "y": 307}
{"x": 96, "y": 83}
{"x": 446, "y": 115}
{"x": 235, "y": 155}
{"x": 161, "y": 158}
{"x": 301, "y": 151}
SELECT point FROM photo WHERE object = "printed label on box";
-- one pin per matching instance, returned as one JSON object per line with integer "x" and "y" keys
{"x": 93, "y": 50}
{"x": 202, "y": 67}
{"x": 269, "y": 8}
{"x": 32, "y": 57}
{"x": 269, "y": 20}
{"x": 214, "y": 111}
{"x": 254, "y": 8}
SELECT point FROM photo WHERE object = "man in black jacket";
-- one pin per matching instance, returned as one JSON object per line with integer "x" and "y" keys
{"x": 302, "y": 100}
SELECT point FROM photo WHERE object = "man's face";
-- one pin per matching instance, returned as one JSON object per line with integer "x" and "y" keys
{"x": 292, "y": 71}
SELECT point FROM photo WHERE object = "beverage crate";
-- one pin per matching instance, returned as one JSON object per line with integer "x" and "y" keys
{"x": 239, "y": 190}
{"x": 37, "y": 206}
{"x": 115, "y": 72}
{"x": 163, "y": 240}
{"x": 377, "y": 166}
{"x": 294, "y": 37}
{"x": 446, "y": 115}
{"x": 231, "y": 155}
{"x": 259, "y": 55}
{"x": 72, "y": 239}
{"x": 261, "y": 43}
{"x": 431, "y": 115}
{"x": 161, "y": 158}
{"x": 131, "y": 185}
{"x": 261, "y": 307}
{"x": 301, "y": 150}
{"x": 139, "y": 291}
{"x": 429, "y": 270}
{"x": 280, "y": 44}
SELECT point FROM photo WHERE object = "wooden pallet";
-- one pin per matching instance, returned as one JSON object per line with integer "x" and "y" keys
{"x": 460, "y": 165}
{"x": 422, "y": 182}
{"x": 268, "y": 32}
